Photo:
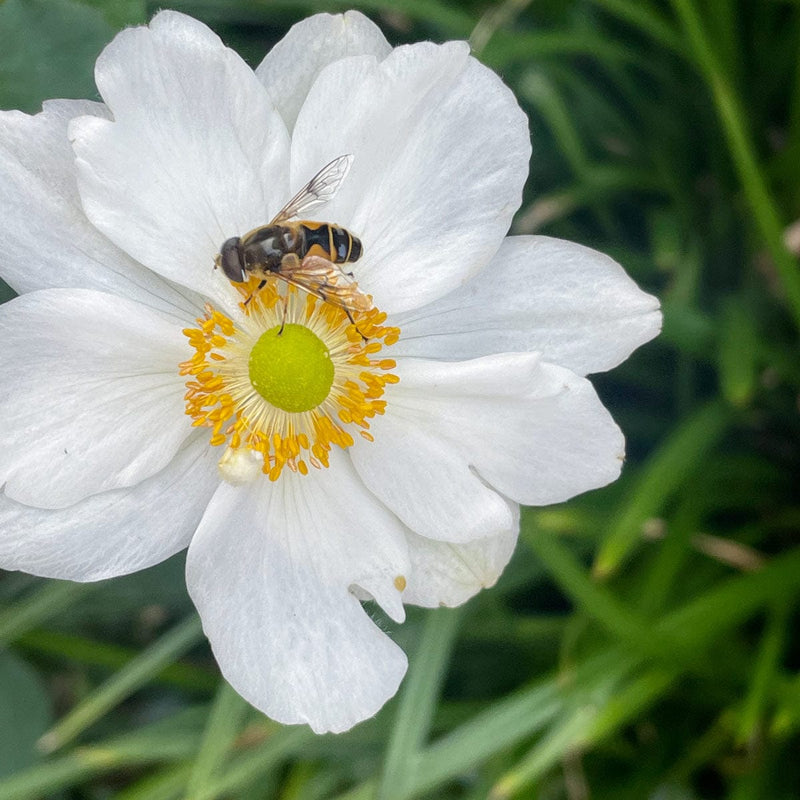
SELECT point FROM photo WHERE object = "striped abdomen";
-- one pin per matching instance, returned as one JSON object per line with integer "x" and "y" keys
{"x": 329, "y": 241}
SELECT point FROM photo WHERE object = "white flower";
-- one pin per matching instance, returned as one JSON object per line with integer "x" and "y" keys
{"x": 112, "y": 214}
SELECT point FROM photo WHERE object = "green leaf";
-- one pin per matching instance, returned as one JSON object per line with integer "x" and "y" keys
{"x": 119, "y": 13}
{"x": 24, "y": 714}
{"x": 48, "y": 49}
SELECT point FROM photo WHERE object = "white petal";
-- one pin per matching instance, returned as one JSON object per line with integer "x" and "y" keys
{"x": 574, "y": 305}
{"x": 196, "y": 152}
{"x": 441, "y": 155}
{"x": 94, "y": 399}
{"x": 446, "y": 574}
{"x": 427, "y": 482}
{"x": 116, "y": 532}
{"x": 47, "y": 240}
{"x": 535, "y": 432}
{"x": 269, "y": 571}
{"x": 290, "y": 68}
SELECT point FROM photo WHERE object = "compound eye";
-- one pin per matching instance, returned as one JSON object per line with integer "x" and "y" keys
{"x": 230, "y": 259}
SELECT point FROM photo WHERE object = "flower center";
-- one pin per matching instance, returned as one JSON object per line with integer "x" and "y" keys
{"x": 290, "y": 378}
{"x": 291, "y": 368}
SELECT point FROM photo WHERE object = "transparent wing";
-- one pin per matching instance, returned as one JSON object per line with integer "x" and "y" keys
{"x": 319, "y": 190}
{"x": 326, "y": 280}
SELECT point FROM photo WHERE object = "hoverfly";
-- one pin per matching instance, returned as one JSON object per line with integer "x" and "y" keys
{"x": 303, "y": 253}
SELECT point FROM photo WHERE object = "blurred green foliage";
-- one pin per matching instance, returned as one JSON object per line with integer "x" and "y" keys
{"x": 642, "y": 642}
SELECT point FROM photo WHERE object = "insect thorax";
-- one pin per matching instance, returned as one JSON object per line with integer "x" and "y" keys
{"x": 265, "y": 247}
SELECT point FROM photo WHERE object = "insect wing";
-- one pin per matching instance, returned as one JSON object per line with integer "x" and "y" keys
{"x": 328, "y": 282}
{"x": 319, "y": 190}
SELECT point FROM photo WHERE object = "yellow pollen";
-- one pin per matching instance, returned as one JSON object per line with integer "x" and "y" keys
{"x": 221, "y": 396}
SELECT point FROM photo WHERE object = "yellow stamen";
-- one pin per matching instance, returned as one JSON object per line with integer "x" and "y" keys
{"x": 221, "y": 396}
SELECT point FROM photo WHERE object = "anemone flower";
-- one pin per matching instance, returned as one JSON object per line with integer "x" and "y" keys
{"x": 310, "y": 458}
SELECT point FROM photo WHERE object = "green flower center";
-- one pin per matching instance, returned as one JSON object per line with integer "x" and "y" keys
{"x": 291, "y": 369}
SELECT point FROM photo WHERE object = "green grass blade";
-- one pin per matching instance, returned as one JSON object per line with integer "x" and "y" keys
{"x": 253, "y": 766}
{"x": 767, "y": 667}
{"x": 700, "y": 621}
{"x": 733, "y": 117}
{"x": 224, "y": 722}
{"x": 164, "y": 784}
{"x": 666, "y": 470}
{"x": 418, "y": 702}
{"x": 647, "y": 19}
{"x": 168, "y": 740}
{"x": 585, "y": 727}
{"x": 47, "y": 601}
{"x": 113, "y": 656}
{"x": 133, "y": 676}
{"x": 507, "y": 722}
{"x": 738, "y": 347}
{"x": 594, "y": 600}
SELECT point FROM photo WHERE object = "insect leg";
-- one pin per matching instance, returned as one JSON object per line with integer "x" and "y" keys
{"x": 353, "y": 322}
{"x": 285, "y": 310}
{"x": 253, "y": 294}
